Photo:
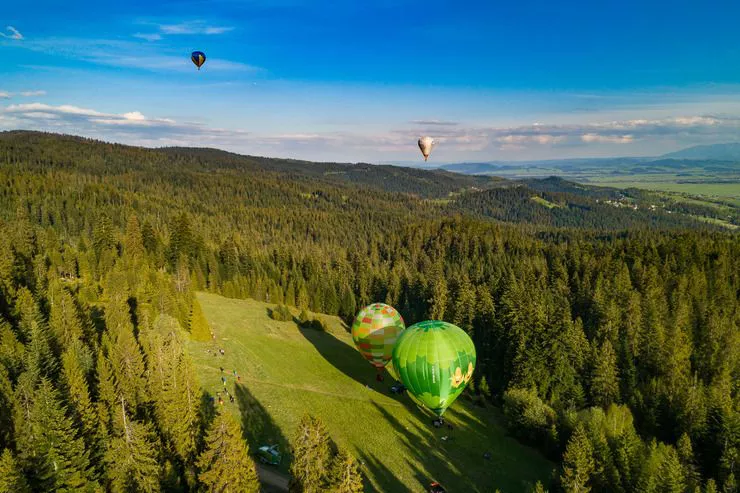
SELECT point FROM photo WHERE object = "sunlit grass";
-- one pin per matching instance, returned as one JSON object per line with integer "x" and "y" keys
{"x": 289, "y": 372}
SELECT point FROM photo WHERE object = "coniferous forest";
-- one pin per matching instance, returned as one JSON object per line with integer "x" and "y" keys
{"x": 608, "y": 337}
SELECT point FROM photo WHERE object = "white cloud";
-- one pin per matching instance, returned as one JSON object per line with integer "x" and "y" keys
{"x": 5, "y": 95}
{"x": 148, "y": 36}
{"x": 609, "y": 139}
{"x": 131, "y": 127}
{"x": 456, "y": 142}
{"x": 29, "y": 94}
{"x": 193, "y": 27}
{"x": 12, "y": 33}
{"x": 129, "y": 54}
{"x": 543, "y": 139}
{"x": 441, "y": 123}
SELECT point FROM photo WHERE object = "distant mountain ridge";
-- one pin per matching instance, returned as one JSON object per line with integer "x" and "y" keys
{"x": 718, "y": 152}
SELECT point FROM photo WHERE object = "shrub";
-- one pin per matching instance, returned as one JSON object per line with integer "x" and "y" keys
{"x": 529, "y": 418}
{"x": 281, "y": 313}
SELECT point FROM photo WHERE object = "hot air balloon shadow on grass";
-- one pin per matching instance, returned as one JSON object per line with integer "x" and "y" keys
{"x": 375, "y": 331}
{"x": 198, "y": 58}
{"x": 435, "y": 361}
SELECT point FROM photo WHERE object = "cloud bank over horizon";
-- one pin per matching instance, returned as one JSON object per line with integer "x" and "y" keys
{"x": 455, "y": 138}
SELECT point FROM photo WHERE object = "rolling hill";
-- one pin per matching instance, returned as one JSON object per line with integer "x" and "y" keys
{"x": 344, "y": 188}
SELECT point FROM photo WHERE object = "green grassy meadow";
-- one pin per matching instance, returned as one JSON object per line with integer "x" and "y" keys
{"x": 729, "y": 192}
{"x": 286, "y": 372}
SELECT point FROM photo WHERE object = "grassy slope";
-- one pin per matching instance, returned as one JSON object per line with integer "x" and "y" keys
{"x": 286, "y": 372}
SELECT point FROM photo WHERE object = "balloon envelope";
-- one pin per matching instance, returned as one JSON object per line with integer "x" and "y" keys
{"x": 425, "y": 145}
{"x": 198, "y": 58}
{"x": 435, "y": 361}
{"x": 375, "y": 331}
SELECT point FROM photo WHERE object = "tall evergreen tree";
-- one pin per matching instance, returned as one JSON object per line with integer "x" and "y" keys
{"x": 174, "y": 388}
{"x": 64, "y": 320}
{"x": 578, "y": 463}
{"x": 671, "y": 475}
{"x": 49, "y": 445}
{"x": 438, "y": 299}
{"x": 133, "y": 242}
{"x": 12, "y": 479}
{"x": 312, "y": 457}
{"x": 605, "y": 379}
{"x": 132, "y": 457}
{"x": 345, "y": 476}
{"x": 81, "y": 405}
{"x": 123, "y": 350}
{"x": 225, "y": 464}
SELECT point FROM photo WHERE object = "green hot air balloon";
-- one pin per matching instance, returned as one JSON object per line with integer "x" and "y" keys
{"x": 435, "y": 361}
{"x": 375, "y": 331}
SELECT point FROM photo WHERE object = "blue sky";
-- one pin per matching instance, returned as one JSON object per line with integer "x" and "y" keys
{"x": 360, "y": 81}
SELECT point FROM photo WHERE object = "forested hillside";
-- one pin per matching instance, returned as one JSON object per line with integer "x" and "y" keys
{"x": 610, "y": 339}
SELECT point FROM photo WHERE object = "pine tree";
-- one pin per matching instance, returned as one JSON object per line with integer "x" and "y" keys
{"x": 49, "y": 445}
{"x": 648, "y": 480}
{"x": 345, "y": 476}
{"x": 578, "y": 463}
{"x": 304, "y": 318}
{"x": 25, "y": 312}
{"x": 671, "y": 474}
{"x": 40, "y": 357}
{"x": 123, "y": 350}
{"x": 225, "y": 464}
{"x": 133, "y": 242}
{"x": 131, "y": 459}
{"x": 711, "y": 486}
{"x": 11, "y": 350}
{"x": 302, "y": 300}
{"x": 465, "y": 306}
{"x": 11, "y": 476}
{"x": 79, "y": 398}
{"x": 686, "y": 456}
{"x": 182, "y": 241}
{"x": 103, "y": 239}
{"x": 605, "y": 380}
{"x": 6, "y": 409}
{"x": 348, "y": 306}
{"x": 174, "y": 387}
{"x": 539, "y": 488}
{"x": 438, "y": 299}
{"x": 730, "y": 484}
{"x": 106, "y": 400}
{"x": 64, "y": 320}
{"x": 312, "y": 456}
{"x": 200, "y": 329}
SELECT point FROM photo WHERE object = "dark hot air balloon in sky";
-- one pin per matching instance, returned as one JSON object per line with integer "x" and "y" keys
{"x": 198, "y": 58}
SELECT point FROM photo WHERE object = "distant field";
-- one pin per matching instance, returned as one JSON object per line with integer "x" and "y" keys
{"x": 286, "y": 371}
{"x": 724, "y": 191}
{"x": 725, "y": 186}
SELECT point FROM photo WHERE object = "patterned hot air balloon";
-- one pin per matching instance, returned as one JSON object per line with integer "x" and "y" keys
{"x": 375, "y": 331}
{"x": 435, "y": 361}
{"x": 198, "y": 58}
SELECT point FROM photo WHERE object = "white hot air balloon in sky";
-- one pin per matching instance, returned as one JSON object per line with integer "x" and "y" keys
{"x": 426, "y": 144}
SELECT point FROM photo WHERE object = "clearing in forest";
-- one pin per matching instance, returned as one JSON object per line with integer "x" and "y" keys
{"x": 285, "y": 371}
